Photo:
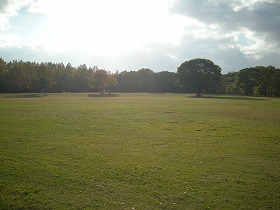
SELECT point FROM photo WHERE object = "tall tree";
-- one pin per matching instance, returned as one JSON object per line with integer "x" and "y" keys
{"x": 2, "y": 75}
{"x": 82, "y": 78}
{"x": 198, "y": 75}
{"x": 111, "y": 82}
{"x": 259, "y": 80}
{"x": 165, "y": 81}
{"x": 59, "y": 77}
{"x": 247, "y": 79}
{"x": 45, "y": 79}
{"x": 265, "y": 81}
{"x": 127, "y": 81}
{"x": 146, "y": 80}
{"x": 276, "y": 82}
{"x": 68, "y": 82}
{"x": 229, "y": 84}
{"x": 102, "y": 80}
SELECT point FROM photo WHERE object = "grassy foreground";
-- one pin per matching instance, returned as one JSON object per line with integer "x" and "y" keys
{"x": 139, "y": 151}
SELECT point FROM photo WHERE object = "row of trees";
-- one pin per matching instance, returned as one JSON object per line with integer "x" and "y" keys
{"x": 19, "y": 76}
{"x": 197, "y": 75}
{"x": 257, "y": 80}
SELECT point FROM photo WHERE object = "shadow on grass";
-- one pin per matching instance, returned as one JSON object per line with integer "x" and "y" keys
{"x": 248, "y": 98}
{"x": 37, "y": 95}
{"x": 98, "y": 95}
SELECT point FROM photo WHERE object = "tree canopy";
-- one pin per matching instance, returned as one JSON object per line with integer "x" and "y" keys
{"x": 199, "y": 75}
{"x": 259, "y": 80}
{"x": 102, "y": 80}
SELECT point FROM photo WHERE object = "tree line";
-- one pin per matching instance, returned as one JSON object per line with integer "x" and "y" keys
{"x": 259, "y": 80}
{"x": 192, "y": 76}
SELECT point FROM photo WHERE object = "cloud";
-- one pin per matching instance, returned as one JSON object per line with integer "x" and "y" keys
{"x": 234, "y": 34}
{"x": 9, "y": 8}
{"x": 253, "y": 26}
{"x": 112, "y": 35}
{"x": 129, "y": 35}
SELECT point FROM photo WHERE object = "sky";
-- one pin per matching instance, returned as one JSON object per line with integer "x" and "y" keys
{"x": 134, "y": 34}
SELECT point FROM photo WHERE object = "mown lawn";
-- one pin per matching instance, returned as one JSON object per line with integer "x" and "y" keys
{"x": 139, "y": 151}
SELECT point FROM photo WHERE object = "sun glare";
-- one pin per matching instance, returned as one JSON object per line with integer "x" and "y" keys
{"x": 108, "y": 27}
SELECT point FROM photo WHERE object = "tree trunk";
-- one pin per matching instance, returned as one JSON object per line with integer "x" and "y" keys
{"x": 103, "y": 90}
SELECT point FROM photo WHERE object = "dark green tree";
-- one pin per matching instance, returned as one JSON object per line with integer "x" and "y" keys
{"x": 247, "y": 79}
{"x": 59, "y": 77}
{"x": 2, "y": 75}
{"x": 165, "y": 81}
{"x": 229, "y": 84}
{"x": 68, "y": 83}
{"x": 276, "y": 82}
{"x": 265, "y": 81}
{"x": 146, "y": 80}
{"x": 27, "y": 76}
{"x": 45, "y": 77}
{"x": 82, "y": 78}
{"x": 199, "y": 75}
{"x": 127, "y": 81}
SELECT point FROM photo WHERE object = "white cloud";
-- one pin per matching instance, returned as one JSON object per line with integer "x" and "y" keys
{"x": 251, "y": 26}
{"x": 157, "y": 34}
{"x": 108, "y": 27}
{"x": 247, "y": 4}
{"x": 9, "y": 8}
{"x": 9, "y": 40}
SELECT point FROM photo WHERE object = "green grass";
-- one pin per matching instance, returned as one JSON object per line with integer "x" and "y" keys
{"x": 141, "y": 151}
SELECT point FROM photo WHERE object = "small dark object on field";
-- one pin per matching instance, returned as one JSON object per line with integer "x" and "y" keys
{"x": 102, "y": 95}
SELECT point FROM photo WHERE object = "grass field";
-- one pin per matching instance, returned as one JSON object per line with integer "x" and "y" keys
{"x": 139, "y": 151}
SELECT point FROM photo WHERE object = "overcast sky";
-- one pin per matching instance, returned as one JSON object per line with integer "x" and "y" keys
{"x": 133, "y": 34}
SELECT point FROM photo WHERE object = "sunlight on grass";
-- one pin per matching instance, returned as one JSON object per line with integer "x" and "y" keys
{"x": 141, "y": 151}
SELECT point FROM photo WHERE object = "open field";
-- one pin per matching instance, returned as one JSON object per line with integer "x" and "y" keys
{"x": 139, "y": 151}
